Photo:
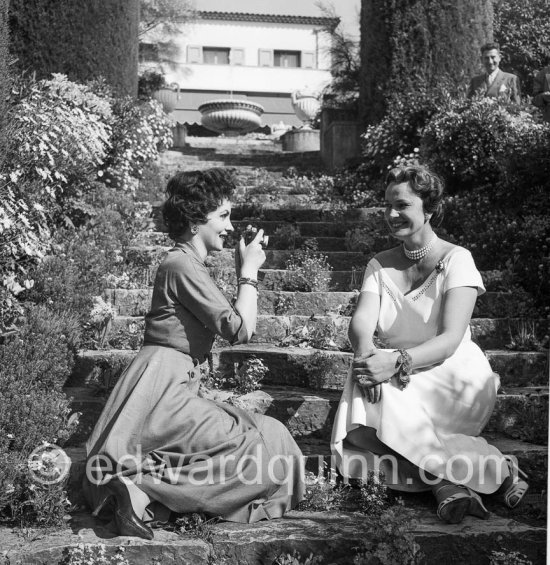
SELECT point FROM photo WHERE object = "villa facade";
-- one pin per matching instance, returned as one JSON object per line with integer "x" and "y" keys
{"x": 260, "y": 57}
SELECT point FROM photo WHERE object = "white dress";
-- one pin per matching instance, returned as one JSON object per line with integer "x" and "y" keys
{"x": 435, "y": 422}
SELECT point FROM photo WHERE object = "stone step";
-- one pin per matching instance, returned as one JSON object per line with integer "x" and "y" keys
{"x": 307, "y": 228}
{"x": 136, "y": 302}
{"x": 328, "y": 332}
{"x": 364, "y": 216}
{"x": 330, "y": 535}
{"x": 275, "y": 259}
{"x": 520, "y": 412}
{"x": 299, "y": 366}
{"x": 309, "y": 415}
{"x": 303, "y": 229}
{"x": 265, "y": 156}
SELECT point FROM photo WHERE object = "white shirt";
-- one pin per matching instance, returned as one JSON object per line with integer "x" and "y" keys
{"x": 491, "y": 78}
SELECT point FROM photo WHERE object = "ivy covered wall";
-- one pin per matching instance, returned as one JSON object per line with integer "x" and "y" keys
{"x": 83, "y": 39}
{"x": 409, "y": 42}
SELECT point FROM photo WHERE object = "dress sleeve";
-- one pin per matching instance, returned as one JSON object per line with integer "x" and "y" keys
{"x": 371, "y": 278}
{"x": 196, "y": 291}
{"x": 462, "y": 271}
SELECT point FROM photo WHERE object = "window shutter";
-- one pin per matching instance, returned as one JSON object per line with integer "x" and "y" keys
{"x": 265, "y": 58}
{"x": 237, "y": 56}
{"x": 194, "y": 54}
{"x": 308, "y": 59}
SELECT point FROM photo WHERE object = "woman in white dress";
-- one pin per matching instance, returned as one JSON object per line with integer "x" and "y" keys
{"x": 415, "y": 409}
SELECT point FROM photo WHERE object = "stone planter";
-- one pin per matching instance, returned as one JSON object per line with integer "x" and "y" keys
{"x": 167, "y": 97}
{"x": 231, "y": 117}
{"x": 306, "y": 105}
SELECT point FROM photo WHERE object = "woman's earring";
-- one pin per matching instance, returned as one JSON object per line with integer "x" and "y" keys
{"x": 195, "y": 229}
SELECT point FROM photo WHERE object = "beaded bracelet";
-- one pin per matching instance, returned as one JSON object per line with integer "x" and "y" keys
{"x": 404, "y": 368}
{"x": 246, "y": 280}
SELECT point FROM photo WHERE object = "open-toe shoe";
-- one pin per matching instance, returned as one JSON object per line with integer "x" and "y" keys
{"x": 513, "y": 489}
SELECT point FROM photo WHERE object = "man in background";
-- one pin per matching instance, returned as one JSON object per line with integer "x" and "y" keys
{"x": 541, "y": 92}
{"x": 494, "y": 83}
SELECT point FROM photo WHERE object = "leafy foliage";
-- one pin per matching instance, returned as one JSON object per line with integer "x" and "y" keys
{"x": 84, "y": 39}
{"x": 391, "y": 540}
{"x": 522, "y": 30}
{"x": 247, "y": 376}
{"x": 77, "y": 148}
{"x": 90, "y": 554}
{"x": 308, "y": 269}
{"x": 167, "y": 14}
{"x": 410, "y": 44}
{"x": 34, "y": 366}
{"x": 297, "y": 559}
{"x": 483, "y": 142}
{"x": 343, "y": 90}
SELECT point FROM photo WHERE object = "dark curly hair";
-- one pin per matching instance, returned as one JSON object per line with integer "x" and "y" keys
{"x": 489, "y": 47}
{"x": 192, "y": 195}
{"x": 427, "y": 185}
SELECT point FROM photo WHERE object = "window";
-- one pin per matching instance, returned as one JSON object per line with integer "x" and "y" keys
{"x": 215, "y": 55}
{"x": 287, "y": 59}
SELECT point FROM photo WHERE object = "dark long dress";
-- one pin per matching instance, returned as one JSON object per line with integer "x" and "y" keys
{"x": 189, "y": 454}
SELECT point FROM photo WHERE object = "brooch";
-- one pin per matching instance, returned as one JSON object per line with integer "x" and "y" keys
{"x": 439, "y": 267}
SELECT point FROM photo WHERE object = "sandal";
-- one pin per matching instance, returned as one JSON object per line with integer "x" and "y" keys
{"x": 465, "y": 502}
{"x": 513, "y": 489}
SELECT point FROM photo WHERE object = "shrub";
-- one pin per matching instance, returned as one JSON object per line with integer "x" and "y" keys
{"x": 523, "y": 31}
{"x": 287, "y": 235}
{"x": 84, "y": 39}
{"x": 61, "y": 135}
{"x": 409, "y": 44}
{"x": 34, "y": 411}
{"x": 354, "y": 187}
{"x": 148, "y": 82}
{"x": 319, "y": 334}
{"x": 297, "y": 559}
{"x": 475, "y": 221}
{"x": 89, "y": 554}
{"x": 401, "y": 130}
{"x": 391, "y": 539}
{"x": 308, "y": 270}
{"x": 139, "y": 133}
{"x": 475, "y": 143}
{"x": 247, "y": 376}
{"x": 320, "y": 369}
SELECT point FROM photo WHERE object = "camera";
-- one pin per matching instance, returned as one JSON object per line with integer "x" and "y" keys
{"x": 250, "y": 233}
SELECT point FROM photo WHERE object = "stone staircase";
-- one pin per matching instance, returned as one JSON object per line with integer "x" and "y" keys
{"x": 304, "y": 383}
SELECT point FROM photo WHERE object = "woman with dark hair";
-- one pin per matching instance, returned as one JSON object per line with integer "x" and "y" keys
{"x": 158, "y": 446}
{"x": 415, "y": 408}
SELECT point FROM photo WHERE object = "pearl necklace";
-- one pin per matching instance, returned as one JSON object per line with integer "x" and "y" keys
{"x": 418, "y": 254}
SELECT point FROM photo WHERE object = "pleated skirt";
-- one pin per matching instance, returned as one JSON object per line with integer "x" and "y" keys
{"x": 187, "y": 453}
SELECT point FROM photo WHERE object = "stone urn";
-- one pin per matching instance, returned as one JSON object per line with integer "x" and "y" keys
{"x": 168, "y": 97}
{"x": 231, "y": 117}
{"x": 306, "y": 105}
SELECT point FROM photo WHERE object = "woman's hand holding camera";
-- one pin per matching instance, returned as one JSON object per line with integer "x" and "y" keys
{"x": 249, "y": 258}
